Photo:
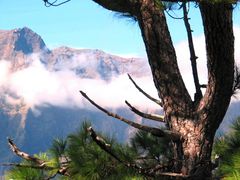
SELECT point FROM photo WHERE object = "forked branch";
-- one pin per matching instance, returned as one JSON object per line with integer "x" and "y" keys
{"x": 154, "y": 131}
{"x": 144, "y": 171}
{"x": 154, "y": 117}
{"x": 144, "y": 93}
{"x": 107, "y": 148}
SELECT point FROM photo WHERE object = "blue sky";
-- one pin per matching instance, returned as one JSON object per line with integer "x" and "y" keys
{"x": 84, "y": 24}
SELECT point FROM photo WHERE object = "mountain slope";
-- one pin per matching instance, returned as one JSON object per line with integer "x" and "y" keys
{"x": 23, "y": 54}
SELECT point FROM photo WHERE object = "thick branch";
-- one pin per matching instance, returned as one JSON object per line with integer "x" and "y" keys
{"x": 154, "y": 131}
{"x": 193, "y": 57}
{"x": 154, "y": 117}
{"x": 144, "y": 93}
{"x": 218, "y": 30}
{"x": 162, "y": 58}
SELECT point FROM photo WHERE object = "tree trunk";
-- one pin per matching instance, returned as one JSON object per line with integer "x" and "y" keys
{"x": 197, "y": 122}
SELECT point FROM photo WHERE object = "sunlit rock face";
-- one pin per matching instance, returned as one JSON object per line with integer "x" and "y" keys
{"x": 17, "y": 44}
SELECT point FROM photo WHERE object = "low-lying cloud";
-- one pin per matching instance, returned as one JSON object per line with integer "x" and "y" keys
{"x": 39, "y": 86}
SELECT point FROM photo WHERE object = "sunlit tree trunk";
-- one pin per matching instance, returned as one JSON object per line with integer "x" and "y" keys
{"x": 196, "y": 122}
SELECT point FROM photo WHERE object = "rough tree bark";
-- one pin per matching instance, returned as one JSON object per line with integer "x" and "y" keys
{"x": 196, "y": 121}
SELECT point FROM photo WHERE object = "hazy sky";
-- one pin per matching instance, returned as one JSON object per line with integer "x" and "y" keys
{"x": 84, "y": 24}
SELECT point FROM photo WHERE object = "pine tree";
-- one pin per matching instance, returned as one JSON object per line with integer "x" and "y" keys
{"x": 227, "y": 147}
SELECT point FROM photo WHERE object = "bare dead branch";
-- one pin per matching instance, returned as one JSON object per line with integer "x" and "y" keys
{"x": 40, "y": 164}
{"x": 102, "y": 144}
{"x": 193, "y": 57}
{"x": 144, "y": 93}
{"x": 145, "y": 171}
{"x": 154, "y": 117}
{"x": 170, "y": 174}
{"x": 154, "y": 131}
{"x": 107, "y": 148}
{"x": 24, "y": 155}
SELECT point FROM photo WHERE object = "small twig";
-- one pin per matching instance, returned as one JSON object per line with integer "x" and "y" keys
{"x": 167, "y": 11}
{"x": 48, "y": 4}
{"x": 152, "y": 130}
{"x": 154, "y": 117}
{"x": 144, "y": 93}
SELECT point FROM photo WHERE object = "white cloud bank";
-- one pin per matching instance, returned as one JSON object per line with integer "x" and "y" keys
{"x": 38, "y": 86}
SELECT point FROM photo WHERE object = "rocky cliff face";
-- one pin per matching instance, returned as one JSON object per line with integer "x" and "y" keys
{"x": 16, "y": 45}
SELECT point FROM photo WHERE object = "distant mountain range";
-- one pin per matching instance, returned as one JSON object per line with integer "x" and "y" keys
{"x": 34, "y": 131}
{"x": 34, "y": 127}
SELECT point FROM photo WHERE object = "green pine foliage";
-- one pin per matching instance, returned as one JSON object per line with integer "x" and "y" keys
{"x": 152, "y": 149}
{"x": 22, "y": 173}
{"x": 88, "y": 161}
{"x": 85, "y": 158}
{"x": 228, "y": 149}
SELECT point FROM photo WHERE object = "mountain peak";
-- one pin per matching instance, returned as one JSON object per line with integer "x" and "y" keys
{"x": 19, "y": 42}
{"x": 28, "y": 41}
